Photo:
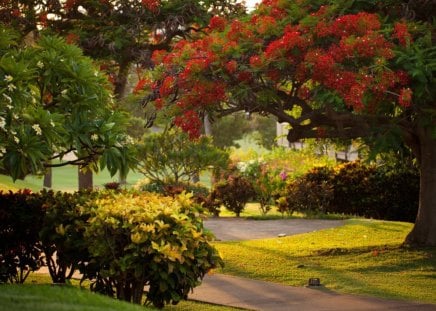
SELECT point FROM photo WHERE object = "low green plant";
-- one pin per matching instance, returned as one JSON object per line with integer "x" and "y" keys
{"x": 383, "y": 192}
{"x": 21, "y": 218}
{"x": 138, "y": 239}
{"x": 62, "y": 232}
{"x": 233, "y": 192}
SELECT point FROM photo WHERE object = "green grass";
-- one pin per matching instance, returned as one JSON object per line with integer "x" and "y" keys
{"x": 252, "y": 211}
{"x": 38, "y": 297}
{"x": 64, "y": 179}
{"x": 362, "y": 257}
{"x": 37, "y": 294}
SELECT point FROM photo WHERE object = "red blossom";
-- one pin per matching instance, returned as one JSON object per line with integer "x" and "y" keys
{"x": 231, "y": 66}
{"x": 274, "y": 75}
{"x": 402, "y": 34}
{"x": 72, "y": 38}
{"x": 217, "y": 23}
{"x": 190, "y": 123}
{"x": 158, "y": 56}
{"x": 16, "y": 13}
{"x": 265, "y": 24}
{"x": 140, "y": 85}
{"x": 403, "y": 77}
{"x": 69, "y": 4}
{"x": 245, "y": 76}
{"x": 43, "y": 19}
{"x": 256, "y": 62}
{"x": 159, "y": 103}
{"x": 167, "y": 86}
{"x": 151, "y": 5}
{"x": 405, "y": 98}
{"x": 304, "y": 93}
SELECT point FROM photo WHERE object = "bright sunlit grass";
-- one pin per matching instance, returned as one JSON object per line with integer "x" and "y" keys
{"x": 362, "y": 257}
{"x": 37, "y": 294}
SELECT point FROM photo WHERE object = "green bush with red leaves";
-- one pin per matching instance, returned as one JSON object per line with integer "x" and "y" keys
{"x": 383, "y": 192}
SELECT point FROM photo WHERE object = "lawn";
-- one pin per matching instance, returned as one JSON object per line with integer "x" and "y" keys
{"x": 37, "y": 294}
{"x": 363, "y": 257}
{"x": 64, "y": 179}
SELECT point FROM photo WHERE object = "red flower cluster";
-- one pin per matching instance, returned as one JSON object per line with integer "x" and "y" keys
{"x": 151, "y": 5}
{"x": 405, "y": 98}
{"x": 290, "y": 39}
{"x": 190, "y": 123}
{"x": 167, "y": 86}
{"x": 69, "y": 4}
{"x": 231, "y": 66}
{"x": 264, "y": 24}
{"x": 344, "y": 26}
{"x": 72, "y": 38}
{"x": 217, "y": 23}
{"x": 402, "y": 34}
{"x": 256, "y": 62}
{"x": 158, "y": 56}
{"x": 140, "y": 85}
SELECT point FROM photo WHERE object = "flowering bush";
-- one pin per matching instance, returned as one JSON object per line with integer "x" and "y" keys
{"x": 145, "y": 239}
{"x": 233, "y": 192}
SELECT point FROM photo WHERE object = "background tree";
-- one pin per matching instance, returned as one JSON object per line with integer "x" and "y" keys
{"x": 118, "y": 32}
{"x": 54, "y": 101}
{"x": 328, "y": 71}
{"x": 171, "y": 157}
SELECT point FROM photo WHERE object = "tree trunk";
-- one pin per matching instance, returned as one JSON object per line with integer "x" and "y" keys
{"x": 85, "y": 180}
{"x": 48, "y": 178}
{"x": 121, "y": 81}
{"x": 424, "y": 231}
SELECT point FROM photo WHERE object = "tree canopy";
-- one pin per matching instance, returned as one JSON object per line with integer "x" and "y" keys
{"x": 329, "y": 69}
{"x": 117, "y": 32}
{"x": 55, "y": 101}
{"x": 171, "y": 157}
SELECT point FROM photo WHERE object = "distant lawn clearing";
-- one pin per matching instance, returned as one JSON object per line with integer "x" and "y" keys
{"x": 363, "y": 257}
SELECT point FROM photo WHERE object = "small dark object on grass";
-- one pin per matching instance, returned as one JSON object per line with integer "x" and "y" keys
{"x": 314, "y": 282}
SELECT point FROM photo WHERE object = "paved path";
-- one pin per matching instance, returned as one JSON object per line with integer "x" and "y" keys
{"x": 265, "y": 296}
{"x": 232, "y": 229}
{"x": 258, "y": 295}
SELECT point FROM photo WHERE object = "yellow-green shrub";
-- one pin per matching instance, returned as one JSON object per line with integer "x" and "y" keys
{"x": 138, "y": 239}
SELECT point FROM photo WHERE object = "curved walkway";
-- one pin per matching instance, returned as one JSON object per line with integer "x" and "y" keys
{"x": 265, "y": 296}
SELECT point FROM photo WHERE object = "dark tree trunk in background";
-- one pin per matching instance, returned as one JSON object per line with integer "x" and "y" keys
{"x": 85, "y": 180}
{"x": 48, "y": 178}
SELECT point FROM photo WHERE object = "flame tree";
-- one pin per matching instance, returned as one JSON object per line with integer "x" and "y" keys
{"x": 119, "y": 33}
{"x": 343, "y": 70}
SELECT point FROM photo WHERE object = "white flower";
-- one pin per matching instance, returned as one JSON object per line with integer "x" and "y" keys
{"x": 9, "y": 107}
{"x": 40, "y": 64}
{"x": 52, "y": 123}
{"x": 11, "y": 87}
{"x": 129, "y": 140}
{"x": 15, "y": 116}
{"x": 2, "y": 123}
{"x": 64, "y": 92}
{"x": 16, "y": 139}
{"x": 2, "y": 151}
{"x": 13, "y": 132}
{"x": 94, "y": 137}
{"x": 8, "y": 78}
{"x": 37, "y": 129}
{"x": 96, "y": 73}
{"x": 8, "y": 98}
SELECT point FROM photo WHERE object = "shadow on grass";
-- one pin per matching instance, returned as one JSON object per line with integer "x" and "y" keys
{"x": 363, "y": 270}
